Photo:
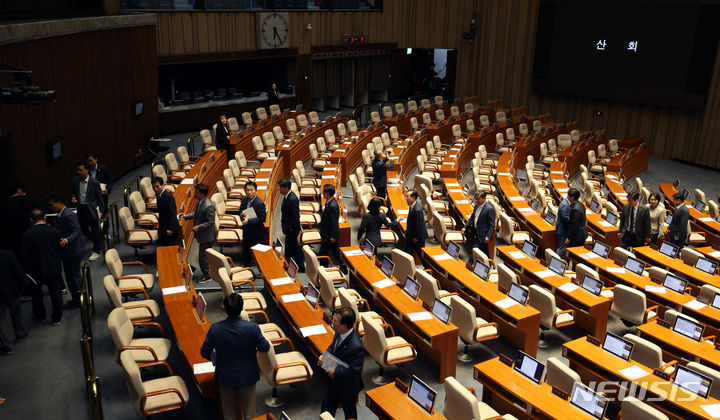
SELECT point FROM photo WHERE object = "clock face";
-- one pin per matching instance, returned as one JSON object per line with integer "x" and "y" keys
{"x": 273, "y": 30}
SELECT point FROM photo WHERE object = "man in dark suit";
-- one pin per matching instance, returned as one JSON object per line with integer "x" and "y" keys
{"x": 101, "y": 173}
{"x": 345, "y": 382}
{"x": 273, "y": 95}
{"x": 481, "y": 224}
{"x": 41, "y": 260}
{"x": 415, "y": 234}
{"x": 14, "y": 217}
{"x": 71, "y": 246}
{"x": 87, "y": 195}
{"x": 253, "y": 227}
{"x": 290, "y": 222}
{"x": 232, "y": 346}
{"x": 678, "y": 226}
{"x": 634, "y": 223}
{"x": 205, "y": 232}
{"x": 577, "y": 233}
{"x": 330, "y": 228}
{"x": 380, "y": 166}
{"x": 168, "y": 226}
{"x": 222, "y": 136}
{"x": 11, "y": 284}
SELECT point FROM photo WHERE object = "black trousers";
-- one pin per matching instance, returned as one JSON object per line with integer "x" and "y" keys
{"x": 292, "y": 250}
{"x": 73, "y": 278}
{"x": 13, "y": 304}
{"x": 165, "y": 239}
{"x": 90, "y": 225}
{"x": 413, "y": 246}
{"x": 336, "y": 395}
{"x": 628, "y": 240}
{"x": 247, "y": 252}
{"x": 327, "y": 248}
{"x": 54, "y": 285}
{"x": 381, "y": 191}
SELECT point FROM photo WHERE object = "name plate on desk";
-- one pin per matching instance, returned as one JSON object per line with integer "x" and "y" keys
{"x": 663, "y": 323}
{"x": 560, "y": 393}
{"x": 173, "y": 290}
{"x": 569, "y": 287}
{"x": 282, "y": 280}
{"x": 617, "y": 270}
{"x": 592, "y": 340}
{"x": 633, "y": 372}
{"x": 200, "y": 368}
{"x": 506, "y": 359}
{"x": 353, "y": 253}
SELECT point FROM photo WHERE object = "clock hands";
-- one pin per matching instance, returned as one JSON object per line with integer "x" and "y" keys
{"x": 275, "y": 33}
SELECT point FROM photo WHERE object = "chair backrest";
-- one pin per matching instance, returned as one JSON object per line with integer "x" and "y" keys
{"x": 216, "y": 261}
{"x": 275, "y": 109}
{"x": 459, "y": 402}
{"x": 394, "y": 134}
{"x": 644, "y": 352}
{"x": 320, "y": 142}
{"x": 628, "y": 303}
{"x": 575, "y": 135}
{"x": 708, "y": 291}
{"x": 385, "y": 138}
{"x": 146, "y": 187}
{"x": 712, "y": 209}
{"x": 478, "y": 255}
{"x": 412, "y": 106}
{"x": 499, "y": 139}
{"x": 171, "y": 162}
{"x": 463, "y": 316}
{"x": 440, "y": 115}
{"x": 113, "y": 291}
{"x": 484, "y": 121}
{"x": 352, "y": 126}
{"x": 671, "y": 315}
{"x": 438, "y": 100}
{"x": 621, "y": 255}
{"x": 261, "y": 113}
{"x": 552, "y": 145}
{"x": 329, "y": 137}
{"x": 257, "y": 144}
{"x": 246, "y": 118}
{"x": 426, "y": 118}
{"x": 313, "y": 151}
{"x": 523, "y": 128}
{"x": 225, "y": 282}
{"x": 399, "y": 108}
{"x": 374, "y": 340}
{"x": 387, "y": 112}
{"x": 560, "y": 375}
{"x": 228, "y": 178}
{"x": 375, "y": 116}
{"x": 501, "y": 117}
{"x": 126, "y": 220}
{"x": 342, "y": 131}
{"x": 544, "y": 301}
{"x": 267, "y": 362}
{"x": 634, "y": 409}
{"x": 470, "y": 125}
{"x": 656, "y": 273}
{"x": 456, "y": 131}
{"x": 581, "y": 270}
{"x": 268, "y": 139}
{"x": 183, "y": 153}
{"x": 313, "y": 117}
{"x": 120, "y": 327}
{"x": 506, "y": 228}
{"x": 404, "y": 265}
{"x": 232, "y": 124}
{"x": 428, "y": 287}
{"x": 312, "y": 264}
{"x": 133, "y": 379}
{"x": 454, "y": 111}
{"x": 469, "y": 108}
{"x": 510, "y": 134}
{"x": 302, "y": 120}
{"x": 137, "y": 204}
{"x": 219, "y": 202}
{"x": 278, "y": 133}
{"x": 712, "y": 373}
{"x": 689, "y": 255}
{"x": 506, "y": 277}
{"x": 349, "y": 301}
{"x": 290, "y": 125}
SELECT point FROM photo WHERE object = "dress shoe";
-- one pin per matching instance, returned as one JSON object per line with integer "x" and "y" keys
{"x": 94, "y": 256}
{"x": 21, "y": 337}
{"x": 6, "y": 350}
{"x": 204, "y": 279}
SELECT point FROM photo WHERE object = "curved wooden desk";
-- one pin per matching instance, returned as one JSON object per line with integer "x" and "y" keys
{"x": 678, "y": 347}
{"x": 698, "y": 220}
{"x": 388, "y": 402}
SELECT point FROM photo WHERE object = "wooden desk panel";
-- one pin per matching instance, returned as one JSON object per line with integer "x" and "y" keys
{"x": 518, "y": 324}
{"x": 632, "y": 165}
{"x": 243, "y": 139}
{"x": 698, "y": 220}
{"x": 695, "y": 277}
{"x": 709, "y": 252}
{"x": 678, "y": 347}
{"x": 349, "y": 154}
{"x": 389, "y": 403}
{"x": 437, "y": 340}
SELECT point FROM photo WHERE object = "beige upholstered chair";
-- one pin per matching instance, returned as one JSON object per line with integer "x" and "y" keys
{"x": 429, "y": 289}
{"x": 426, "y": 119}
{"x": 712, "y": 373}
{"x": 581, "y": 270}
{"x": 142, "y": 217}
{"x": 550, "y": 315}
{"x": 227, "y": 236}
{"x": 440, "y": 115}
{"x": 291, "y": 126}
{"x": 207, "y": 141}
{"x": 633, "y": 409}
{"x": 455, "y": 111}
{"x": 412, "y": 106}
{"x": 141, "y": 350}
{"x": 313, "y": 268}
{"x": 507, "y": 232}
{"x": 239, "y": 276}
{"x": 386, "y": 351}
{"x": 708, "y": 291}
{"x": 404, "y": 265}
{"x": 186, "y": 161}
{"x": 137, "y": 310}
{"x": 247, "y": 118}
{"x": 233, "y": 125}
{"x": 326, "y": 416}
{"x": 506, "y": 277}
{"x": 253, "y": 301}
{"x": 269, "y": 330}
{"x": 501, "y": 117}
{"x": 387, "y": 112}
{"x": 226, "y": 220}
{"x": 461, "y": 404}
{"x": 438, "y": 100}
{"x": 399, "y": 108}
{"x": 148, "y": 194}
{"x": 414, "y": 126}
{"x": 471, "y": 328}
{"x": 352, "y": 126}
{"x": 478, "y": 255}
{"x": 350, "y": 299}
{"x": 313, "y": 117}
{"x": 631, "y": 307}
{"x": 173, "y": 167}
{"x": 442, "y": 233}
{"x": 621, "y": 255}
{"x": 274, "y": 110}
{"x": 564, "y": 141}
{"x": 689, "y": 256}
{"x": 278, "y": 134}
{"x": 318, "y": 162}
{"x": 484, "y": 121}
{"x": 560, "y": 375}
{"x": 128, "y": 283}
{"x": 260, "y": 152}
{"x": 135, "y": 237}
{"x": 649, "y": 354}
{"x": 231, "y": 203}
{"x": 282, "y": 369}
{"x": 156, "y": 395}
{"x": 159, "y": 171}
{"x": 425, "y": 103}
{"x": 470, "y": 125}
{"x": 302, "y": 121}
{"x": 261, "y": 114}
{"x": 500, "y": 144}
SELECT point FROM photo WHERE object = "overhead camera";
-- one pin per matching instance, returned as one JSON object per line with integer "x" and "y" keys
{"x": 473, "y": 28}
{"x": 23, "y": 91}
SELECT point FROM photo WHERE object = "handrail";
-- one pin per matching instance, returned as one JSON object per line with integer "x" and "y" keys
{"x": 87, "y": 288}
{"x": 128, "y": 188}
{"x": 110, "y": 219}
{"x": 92, "y": 382}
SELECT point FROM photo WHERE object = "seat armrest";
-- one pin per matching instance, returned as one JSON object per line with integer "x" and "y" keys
{"x": 157, "y": 363}
{"x": 398, "y": 346}
{"x": 278, "y": 341}
{"x": 152, "y": 324}
{"x": 145, "y": 396}
{"x": 647, "y": 311}
{"x": 668, "y": 364}
{"x": 287, "y": 365}
{"x": 557, "y": 314}
{"x": 487, "y": 324}
{"x": 137, "y": 263}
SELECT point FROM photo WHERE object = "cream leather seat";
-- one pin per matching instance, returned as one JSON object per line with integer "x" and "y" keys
{"x": 142, "y": 217}
{"x": 630, "y": 306}
{"x": 282, "y": 369}
{"x": 633, "y": 409}
{"x": 506, "y": 277}
{"x": 550, "y": 315}
{"x": 690, "y": 256}
{"x": 226, "y": 220}
{"x": 291, "y": 126}
{"x": 442, "y": 233}
{"x": 461, "y": 404}
{"x": 269, "y": 330}
{"x": 352, "y": 301}
{"x": 246, "y": 118}
{"x": 260, "y": 152}
{"x": 148, "y": 193}
{"x": 302, "y": 121}
{"x": 141, "y": 282}
{"x": 186, "y": 161}
{"x": 313, "y": 268}
{"x": 135, "y": 237}
{"x": 471, "y": 328}
{"x": 507, "y": 232}
{"x": 207, "y": 141}
{"x": 261, "y": 114}
{"x": 649, "y": 354}
{"x": 386, "y": 351}
{"x": 275, "y": 110}
{"x": 156, "y": 395}
{"x": 429, "y": 290}
{"x": 141, "y": 350}
{"x": 239, "y": 276}
{"x": 313, "y": 117}
{"x": 253, "y": 301}
{"x": 404, "y": 265}
{"x": 137, "y": 310}
{"x": 560, "y": 375}
{"x": 173, "y": 167}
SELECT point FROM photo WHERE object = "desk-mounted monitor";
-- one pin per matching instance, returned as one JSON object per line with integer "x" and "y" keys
{"x": 706, "y": 265}
{"x": 387, "y": 267}
{"x": 421, "y": 394}
{"x": 668, "y": 249}
{"x": 368, "y": 248}
{"x": 481, "y": 270}
{"x": 600, "y": 249}
{"x": 311, "y": 295}
{"x": 692, "y": 381}
{"x": 453, "y": 249}
{"x": 528, "y": 367}
{"x": 588, "y": 400}
{"x": 675, "y": 283}
{"x": 688, "y": 328}
{"x": 634, "y": 266}
{"x": 529, "y": 249}
{"x": 592, "y": 285}
{"x": 557, "y": 266}
{"x": 518, "y": 293}
{"x": 441, "y": 311}
{"x": 618, "y": 346}
{"x": 411, "y": 287}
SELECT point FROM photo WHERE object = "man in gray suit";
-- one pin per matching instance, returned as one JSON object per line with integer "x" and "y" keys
{"x": 678, "y": 226}
{"x": 481, "y": 224}
{"x": 204, "y": 217}
{"x": 634, "y": 223}
{"x": 87, "y": 195}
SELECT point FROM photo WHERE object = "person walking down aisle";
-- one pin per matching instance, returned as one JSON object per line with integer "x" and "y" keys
{"x": 71, "y": 246}
{"x": 11, "y": 283}
{"x": 380, "y": 167}
{"x": 290, "y": 222}
{"x": 204, "y": 218}
{"x": 577, "y": 232}
{"x": 87, "y": 195}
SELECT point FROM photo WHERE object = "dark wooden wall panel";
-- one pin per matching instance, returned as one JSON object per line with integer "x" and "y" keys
{"x": 97, "y": 76}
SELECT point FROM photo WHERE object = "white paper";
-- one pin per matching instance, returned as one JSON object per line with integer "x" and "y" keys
{"x": 384, "y": 283}
{"x": 604, "y": 223}
{"x": 448, "y": 163}
{"x": 103, "y": 186}
{"x": 403, "y": 211}
{"x": 271, "y": 158}
{"x": 588, "y": 211}
{"x": 556, "y": 172}
{"x": 172, "y": 290}
{"x": 706, "y": 219}
{"x": 452, "y": 184}
{"x": 517, "y": 254}
{"x": 313, "y": 330}
{"x": 456, "y": 191}
{"x": 250, "y": 213}
{"x": 516, "y": 198}
{"x": 293, "y": 297}
{"x": 563, "y": 190}
{"x": 262, "y": 187}
{"x": 633, "y": 372}
{"x": 265, "y": 170}
{"x": 395, "y": 180}
{"x": 655, "y": 289}
{"x": 330, "y": 362}
{"x": 282, "y": 280}
{"x": 462, "y": 202}
{"x": 689, "y": 206}
{"x": 261, "y": 247}
{"x": 419, "y": 316}
{"x": 187, "y": 181}
{"x": 569, "y": 287}
{"x": 200, "y": 368}
{"x": 610, "y": 176}
{"x": 353, "y": 253}
{"x": 340, "y": 150}
{"x": 506, "y": 303}
{"x": 589, "y": 255}
{"x": 261, "y": 180}
{"x": 695, "y": 304}
{"x": 442, "y": 257}
{"x": 545, "y": 274}
{"x": 713, "y": 410}
{"x": 328, "y": 177}
{"x": 715, "y": 254}
{"x": 618, "y": 270}
{"x": 526, "y": 210}
{"x": 504, "y": 173}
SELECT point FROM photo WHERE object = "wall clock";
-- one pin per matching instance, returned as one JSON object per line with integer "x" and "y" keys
{"x": 273, "y": 30}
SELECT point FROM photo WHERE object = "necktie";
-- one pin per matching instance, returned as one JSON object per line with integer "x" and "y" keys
{"x": 631, "y": 227}
{"x": 336, "y": 341}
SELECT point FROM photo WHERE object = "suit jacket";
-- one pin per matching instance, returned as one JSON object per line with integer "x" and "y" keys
{"x": 642, "y": 221}
{"x": 11, "y": 275}
{"x": 416, "y": 224}
{"x": 204, "y": 216}
{"x": 563, "y": 221}
{"x": 678, "y": 226}
{"x": 68, "y": 226}
{"x": 222, "y": 135}
{"x": 370, "y": 225}
{"x": 236, "y": 343}
{"x": 485, "y": 226}
{"x": 254, "y": 231}
{"x": 15, "y": 219}
{"x": 290, "y": 220}
{"x": 329, "y": 227}
{"x": 41, "y": 252}
{"x": 102, "y": 174}
{"x": 577, "y": 232}
{"x": 351, "y": 351}
{"x": 380, "y": 168}
{"x": 93, "y": 195}
{"x": 167, "y": 213}
{"x": 273, "y": 97}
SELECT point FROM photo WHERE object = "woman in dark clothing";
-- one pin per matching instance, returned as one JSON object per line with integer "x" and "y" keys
{"x": 222, "y": 136}
{"x": 372, "y": 222}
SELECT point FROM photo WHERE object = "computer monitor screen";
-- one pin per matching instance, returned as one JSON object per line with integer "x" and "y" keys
{"x": 529, "y": 249}
{"x": 292, "y": 268}
{"x": 453, "y": 249}
{"x": 692, "y": 381}
{"x": 588, "y": 401}
{"x": 685, "y": 194}
{"x": 635, "y": 266}
{"x": 594, "y": 206}
{"x": 550, "y": 217}
{"x": 534, "y": 204}
{"x": 668, "y": 219}
{"x": 421, "y": 394}
{"x": 688, "y": 328}
{"x": 387, "y": 267}
{"x": 481, "y": 270}
{"x": 200, "y": 306}
{"x": 368, "y": 248}
{"x": 676, "y": 183}
{"x": 671, "y": 250}
{"x": 675, "y": 283}
{"x": 592, "y": 285}
{"x": 706, "y": 265}
{"x": 611, "y": 218}
{"x": 518, "y": 293}
{"x": 601, "y": 249}
{"x": 700, "y": 206}
{"x": 557, "y": 266}
{"x": 278, "y": 248}
{"x": 312, "y": 294}
{"x": 441, "y": 311}
{"x": 617, "y": 346}
{"x": 716, "y": 301}
{"x": 188, "y": 276}
{"x": 412, "y": 288}
{"x": 529, "y": 367}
